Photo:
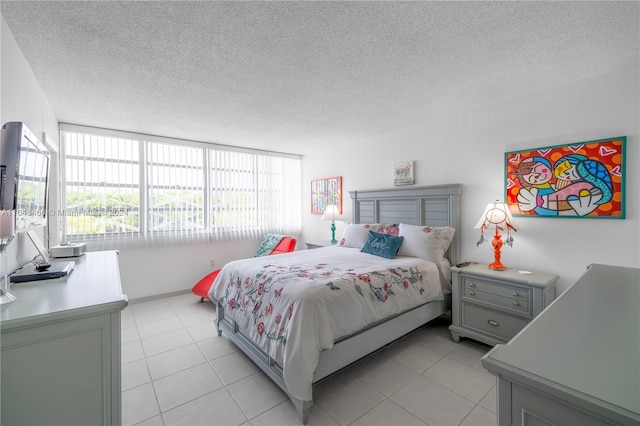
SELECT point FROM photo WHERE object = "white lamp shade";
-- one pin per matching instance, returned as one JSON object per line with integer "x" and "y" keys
{"x": 498, "y": 214}
{"x": 331, "y": 213}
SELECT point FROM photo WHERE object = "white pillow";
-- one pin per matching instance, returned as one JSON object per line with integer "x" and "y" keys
{"x": 425, "y": 242}
{"x": 355, "y": 235}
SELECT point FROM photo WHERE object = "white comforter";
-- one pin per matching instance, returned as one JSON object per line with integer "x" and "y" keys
{"x": 295, "y": 305}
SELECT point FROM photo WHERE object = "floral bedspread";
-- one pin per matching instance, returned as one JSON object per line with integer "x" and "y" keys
{"x": 297, "y": 304}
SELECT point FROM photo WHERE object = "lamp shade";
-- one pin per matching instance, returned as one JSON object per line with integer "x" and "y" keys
{"x": 497, "y": 214}
{"x": 331, "y": 213}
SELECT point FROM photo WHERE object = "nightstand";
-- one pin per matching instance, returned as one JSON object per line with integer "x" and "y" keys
{"x": 493, "y": 306}
{"x": 318, "y": 244}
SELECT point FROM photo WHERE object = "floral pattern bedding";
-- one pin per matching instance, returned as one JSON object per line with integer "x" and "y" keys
{"x": 297, "y": 304}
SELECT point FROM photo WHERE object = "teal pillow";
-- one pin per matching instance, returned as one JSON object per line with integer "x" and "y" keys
{"x": 382, "y": 245}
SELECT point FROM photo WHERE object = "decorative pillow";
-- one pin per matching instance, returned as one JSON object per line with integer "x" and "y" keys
{"x": 382, "y": 245}
{"x": 425, "y": 242}
{"x": 355, "y": 235}
{"x": 388, "y": 229}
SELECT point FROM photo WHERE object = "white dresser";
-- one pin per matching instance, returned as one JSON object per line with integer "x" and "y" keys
{"x": 60, "y": 343}
{"x": 577, "y": 363}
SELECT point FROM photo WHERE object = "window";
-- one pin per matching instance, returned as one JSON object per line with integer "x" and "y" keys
{"x": 119, "y": 185}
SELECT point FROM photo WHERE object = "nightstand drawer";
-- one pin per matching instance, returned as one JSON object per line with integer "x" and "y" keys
{"x": 515, "y": 303}
{"x": 492, "y": 322}
{"x": 521, "y": 293}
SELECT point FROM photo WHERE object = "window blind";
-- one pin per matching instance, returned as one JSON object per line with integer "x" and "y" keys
{"x": 118, "y": 187}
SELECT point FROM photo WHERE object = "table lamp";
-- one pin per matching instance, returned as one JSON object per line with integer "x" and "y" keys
{"x": 497, "y": 215}
{"x": 332, "y": 213}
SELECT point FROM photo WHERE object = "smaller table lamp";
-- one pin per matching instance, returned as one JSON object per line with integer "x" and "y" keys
{"x": 331, "y": 213}
{"x": 497, "y": 214}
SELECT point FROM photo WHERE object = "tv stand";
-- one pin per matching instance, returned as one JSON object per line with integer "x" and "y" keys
{"x": 60, "y": 343}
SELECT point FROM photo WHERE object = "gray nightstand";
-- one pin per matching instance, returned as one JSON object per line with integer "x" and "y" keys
{"x": 318, "y": 244}
{"x": 493, "y": 306}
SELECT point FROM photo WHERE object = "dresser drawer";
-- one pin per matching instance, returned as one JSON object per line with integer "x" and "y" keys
{"x": 517, "y": 304}
{"x": 498, "y": 324}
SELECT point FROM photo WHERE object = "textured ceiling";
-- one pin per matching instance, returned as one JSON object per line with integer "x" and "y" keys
{"x": 285, "y": 75}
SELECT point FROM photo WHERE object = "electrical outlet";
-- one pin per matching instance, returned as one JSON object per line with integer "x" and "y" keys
{"x": 212, "y": 263}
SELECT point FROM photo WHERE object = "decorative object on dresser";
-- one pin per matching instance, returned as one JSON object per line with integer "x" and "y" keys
{"x": 577, "y": 363}
{"x": 497, "y": 215}
{"x": 60, "y": 344}
{"x": 332, "y": 213}
{"x": 493, "y": 306}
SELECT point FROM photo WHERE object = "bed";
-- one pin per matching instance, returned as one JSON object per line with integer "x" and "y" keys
{"x": 305, "y": 315}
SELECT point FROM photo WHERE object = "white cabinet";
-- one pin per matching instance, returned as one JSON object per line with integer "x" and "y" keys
{"x": 578, "y": 362}
{"x": 60, "y": 347}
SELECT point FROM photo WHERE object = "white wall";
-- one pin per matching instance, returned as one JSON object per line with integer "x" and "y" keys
{"x": 23, "y": 100}
{"x": 469, "y": 149}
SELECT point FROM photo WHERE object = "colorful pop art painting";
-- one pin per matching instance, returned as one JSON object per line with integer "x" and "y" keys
{"x": 576, "y": 180}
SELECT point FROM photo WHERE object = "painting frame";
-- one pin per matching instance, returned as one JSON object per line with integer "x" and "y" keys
{"x": 574, "y": 180}
{"x": 403, "y": 173}
{"x": 326, "y": 192}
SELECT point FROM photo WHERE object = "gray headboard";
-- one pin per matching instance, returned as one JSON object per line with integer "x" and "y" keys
{"x": 437, "y": 205}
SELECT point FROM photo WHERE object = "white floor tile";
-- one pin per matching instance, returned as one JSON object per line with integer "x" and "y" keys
{"x": 286, "y": 415}
{"x": 469, "y": 352}
{"x": 388, "y": 413}
{"x": 387, "y": 377}
{"x": 166, "y": 342}
{"x": 213, "y": 409}
{"x": 156, "y": 328}
{"x": 139, "y": 404}
{"x": 489, "y": 400}
{"x": 234, "y": 367}
{"x": 469, "y": 382}
{"x": 131, "y": 351}
{"x": 256, "y": 394}
{"x": 347, "y": 400}
{"x": 480, "y": 417}
{"x": 174, "y": 361}
{"x": 415, "y": 356}
{"x": 202, "y": 331}
{"x": 432, "y": 403}
{"x": 186, "y": 385}
{"x": 134, "y": 374}
{"x": 129, "y": 334}
{"x": 217, "y": 347}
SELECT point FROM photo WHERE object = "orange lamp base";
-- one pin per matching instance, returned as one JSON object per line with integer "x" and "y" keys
{"x": 497, "y": 245}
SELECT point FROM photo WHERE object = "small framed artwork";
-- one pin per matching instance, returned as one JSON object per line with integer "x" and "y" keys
{"x": 326, "y": 192}
{"x": 576, "y": 180}
{"x": 403, "y": 173}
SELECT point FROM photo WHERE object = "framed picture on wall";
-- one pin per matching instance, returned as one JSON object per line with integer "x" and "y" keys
{"x": 576, "y": 180}
{"x": 403, "y": 173}
{"x": 326, "y": 192}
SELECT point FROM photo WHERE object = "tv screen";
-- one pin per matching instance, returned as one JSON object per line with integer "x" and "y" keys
{"x": 25, "y": 165}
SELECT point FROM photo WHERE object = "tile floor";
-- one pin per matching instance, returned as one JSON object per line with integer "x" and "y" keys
{"x": 177, "y": 371}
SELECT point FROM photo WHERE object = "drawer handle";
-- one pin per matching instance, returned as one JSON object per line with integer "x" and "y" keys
{"x": 493, "y": 323}
{"x": 516, "y": 294}
{"x": 472, "y": 285}
{"x": 472, "y": 293}
{"x": 515, "y": 303}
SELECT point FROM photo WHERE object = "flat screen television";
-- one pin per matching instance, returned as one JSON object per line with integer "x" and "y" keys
{"x": 24, "y": 168}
